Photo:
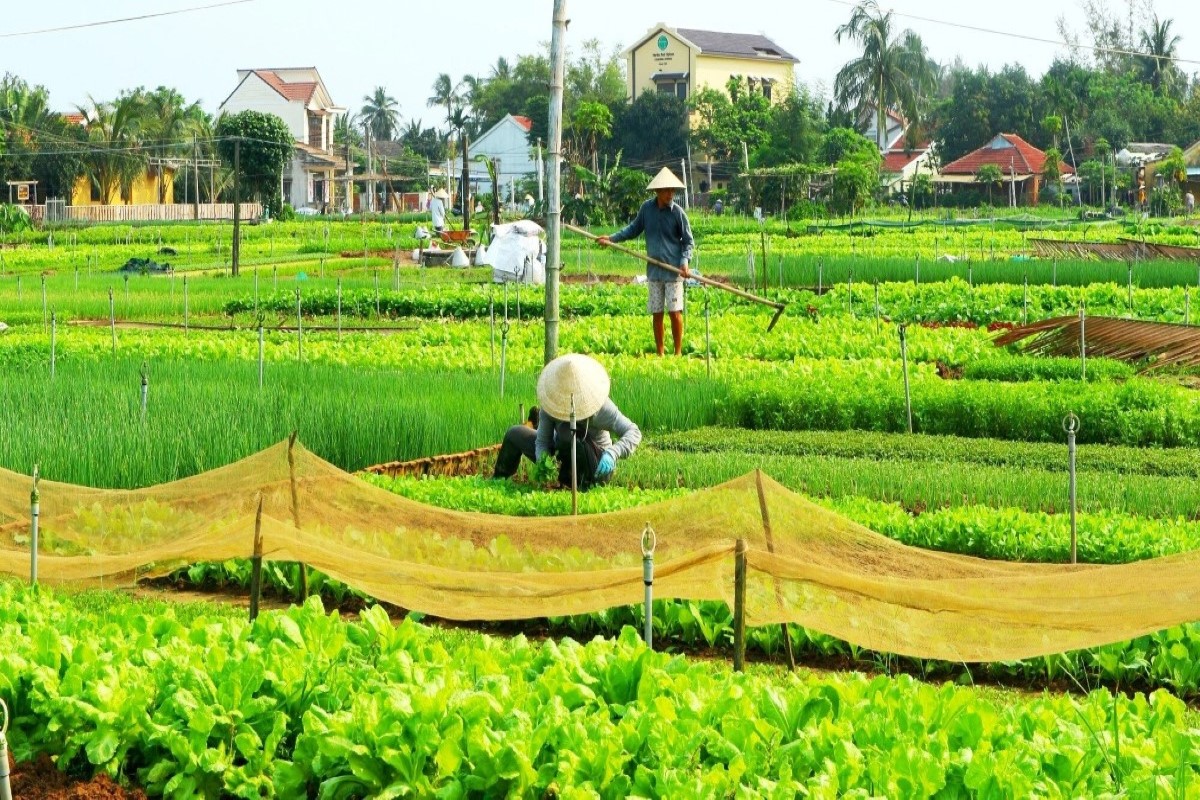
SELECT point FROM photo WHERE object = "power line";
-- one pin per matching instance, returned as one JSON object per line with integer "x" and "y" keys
{"x": 1118, "y": 51}
{"x": 100, "y": 23}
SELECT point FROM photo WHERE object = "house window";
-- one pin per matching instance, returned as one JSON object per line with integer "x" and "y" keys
{"x": 95, "y": 192}
{"x": 766, "y": 87}
{"x": 675, "y": 83}
{"x": 677, "y": 88}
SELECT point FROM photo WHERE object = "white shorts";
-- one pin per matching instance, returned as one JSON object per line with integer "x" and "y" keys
{"x": 665, "y": 296}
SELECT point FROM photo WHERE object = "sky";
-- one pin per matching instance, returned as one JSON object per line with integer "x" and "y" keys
{"x": 403, "y": 46}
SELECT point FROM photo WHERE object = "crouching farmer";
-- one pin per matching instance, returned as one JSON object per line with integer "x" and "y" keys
{"x": 583, "y": 381}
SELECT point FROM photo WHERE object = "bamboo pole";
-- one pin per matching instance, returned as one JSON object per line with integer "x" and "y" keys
{"x": 256, "y": 563}
{"x": 779, "y": 307}
{"x": 739, "y": 606}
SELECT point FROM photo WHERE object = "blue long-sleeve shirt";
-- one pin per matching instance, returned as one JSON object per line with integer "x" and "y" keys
{"x": 668, "y": 237}
{"x": 600, "y": 429}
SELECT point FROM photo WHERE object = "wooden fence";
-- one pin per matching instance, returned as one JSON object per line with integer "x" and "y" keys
{"x": 170, "y": 212}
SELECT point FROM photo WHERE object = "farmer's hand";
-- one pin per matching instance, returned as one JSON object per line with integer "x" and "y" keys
{"x": 606, "y": 466}
{"x": 687, "y": 273}
{"x": 603, "y": 241}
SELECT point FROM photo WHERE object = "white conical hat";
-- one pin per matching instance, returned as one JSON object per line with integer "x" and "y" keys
{"x": 441, "y": 194}
{"x": 665, "y": 179}
{"x": 573, "y": 375}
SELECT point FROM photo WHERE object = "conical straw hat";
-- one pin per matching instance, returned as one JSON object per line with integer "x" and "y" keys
{"x": 573, "y": 375}
{"x": 665, "y": 179}
{"x": 441, "y": 194}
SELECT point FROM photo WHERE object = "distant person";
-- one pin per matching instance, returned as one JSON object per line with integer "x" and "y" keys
{"x": 584, "y": 381}
{"x": 669, "y": 240}
{"x": 437, "y": 210}
{"x": 718, "y": 207}
{"x": 1189, "y": 203}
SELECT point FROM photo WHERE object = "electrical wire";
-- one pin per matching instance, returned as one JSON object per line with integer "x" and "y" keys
{"x": 1117, "y": 51}
{"x": 100, "y": 23}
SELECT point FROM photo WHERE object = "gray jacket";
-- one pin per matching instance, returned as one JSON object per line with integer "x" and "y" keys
{"x": 600, "y": 427}
{"x": 668, "y": 237}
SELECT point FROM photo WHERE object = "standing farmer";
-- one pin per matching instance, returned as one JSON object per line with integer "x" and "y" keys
{"x": 668, "y": 239}
{"x": 437, "y": 210}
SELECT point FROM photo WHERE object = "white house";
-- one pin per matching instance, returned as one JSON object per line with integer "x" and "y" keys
{"x": 901, "y": 165}
{"x": 299, "y": 97}
{"x": 508, "y": 143}
{"x": 897, "y": 126}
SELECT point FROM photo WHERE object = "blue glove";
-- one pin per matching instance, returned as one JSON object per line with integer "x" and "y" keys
{"x": 606, "y": 466}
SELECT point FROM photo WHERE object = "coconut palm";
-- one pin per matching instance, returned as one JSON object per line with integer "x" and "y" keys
{"x": 381, "y": 114}
{"x": 893, "y": 72}
{"x": 1160, "y": 46}
{"x": 445, "y": 94}
{"x": 114, "y": 132}
{"x": 169, "y": 124}
{"x": 501, "y": 70}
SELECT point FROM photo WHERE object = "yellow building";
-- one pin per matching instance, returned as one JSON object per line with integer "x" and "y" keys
{"x": 683, "y": 61}
{"x": 149, "y": 189}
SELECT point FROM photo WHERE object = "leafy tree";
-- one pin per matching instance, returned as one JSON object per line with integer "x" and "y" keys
{"x": 37, "y": 143}
{"x": 842, "y": 143}
{"x": 427, "y": 143}
{"x": 989, "y": 175}
{"x": 726, "y": 120}
{"x": 266, "y": 146}
{"x": 653, "y": 128}
{"x": 1052, "y": 170}
{"x": 381, "y": 114}
{"x": 591, "y": 123}
{"x": 854, "y": 183}
{"x": 892, "y": 72}
{"x": 795, "y": 129}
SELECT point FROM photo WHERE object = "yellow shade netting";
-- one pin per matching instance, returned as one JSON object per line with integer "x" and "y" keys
{"x": 806, "y": 565}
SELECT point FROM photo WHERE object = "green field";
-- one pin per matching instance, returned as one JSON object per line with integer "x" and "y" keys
{"x": 385, "y": 361}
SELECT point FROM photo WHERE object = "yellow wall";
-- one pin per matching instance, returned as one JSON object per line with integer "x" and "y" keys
{"x": 704, "y": 70}
{"x": 145, "y": 191}
{"x": 713, "y": 72}
{"x": 649, "y": 59}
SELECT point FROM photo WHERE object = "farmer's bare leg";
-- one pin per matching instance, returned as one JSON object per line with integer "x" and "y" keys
{"x": 658, "y": 331}
{"x": 676, "y": 332}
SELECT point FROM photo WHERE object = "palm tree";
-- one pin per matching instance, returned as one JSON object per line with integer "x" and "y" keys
{"x": 891, "y": 72}
{"x": 445, "y": 94}
{"x": 1160, "y": 46}
{"x": 381, "y": 114}
{"x": 501, "y": 70}
{"x": 169, "y": 122}
{"x": 114, "y": 132}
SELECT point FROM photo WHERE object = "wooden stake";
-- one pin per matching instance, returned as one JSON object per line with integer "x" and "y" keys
{"x": 256, "y": 563}
{"x": 766, "y": 518}
{"x": 739, "y": 606}
{"x": 296, "y": 510}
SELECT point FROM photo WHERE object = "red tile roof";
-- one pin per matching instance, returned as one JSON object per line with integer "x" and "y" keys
{"x": 524, "y": 122}
{"x": 1020, "y": 156}
{"x": 896, "y": 159}
{"x": 74, "y": 118}
{"x": 298, "y": 91}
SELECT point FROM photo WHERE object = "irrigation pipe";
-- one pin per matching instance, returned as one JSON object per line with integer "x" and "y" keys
{"x": 5, "y": 787}
{"x": 779, "y": 307}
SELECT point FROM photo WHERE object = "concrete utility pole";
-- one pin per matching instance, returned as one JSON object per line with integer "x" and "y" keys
{"x": 554, "y": 211}
{"x": 237, "y": 205}
{"x": 196, "y": 176}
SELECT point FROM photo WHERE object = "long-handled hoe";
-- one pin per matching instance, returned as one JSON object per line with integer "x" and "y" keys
{"x": 779, "y": 307}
